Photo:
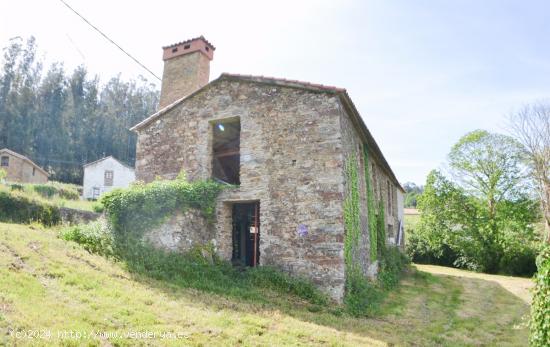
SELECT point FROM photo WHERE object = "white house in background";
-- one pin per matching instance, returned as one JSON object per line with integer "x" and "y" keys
{"x": 105, "y": 174}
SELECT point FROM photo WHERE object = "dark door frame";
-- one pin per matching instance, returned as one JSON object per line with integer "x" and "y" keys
{"x": 246, "y": 233}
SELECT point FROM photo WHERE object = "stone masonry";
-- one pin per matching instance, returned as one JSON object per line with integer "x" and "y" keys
{"x": 294, "y": 141}
{"x": 21, "y": 169}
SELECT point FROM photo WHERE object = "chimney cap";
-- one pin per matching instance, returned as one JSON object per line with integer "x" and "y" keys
{"x": 198, "y": 44}
{"x": 189, "y": 41}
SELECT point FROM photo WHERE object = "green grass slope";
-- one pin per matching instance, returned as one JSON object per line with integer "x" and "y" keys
{"x": 59, "y": 294}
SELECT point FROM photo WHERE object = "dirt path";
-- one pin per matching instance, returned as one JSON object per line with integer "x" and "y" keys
{"x": 519, "y": 286}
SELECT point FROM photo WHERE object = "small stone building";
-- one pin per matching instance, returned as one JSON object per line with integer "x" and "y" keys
{"x": 20, "y": 168}
{"x": 284, "y": 145}
{"x": 105, "y": 174}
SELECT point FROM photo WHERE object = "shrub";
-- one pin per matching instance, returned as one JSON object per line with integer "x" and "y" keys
{"x": 199, "y": 268}
{"x": 95, "y": 237}
{"x": 519, "y": 260}
{"x": 98, "y": 207}
{"x": 363, "y": 296}
{"x": 16, "y": 186}
{"x": 540, "y": 307}
{"x": 63, "y": 190}
{"x": 392, "y": 265}
{"x": 45, "y": 190}
{"x": 19, "y": 209}
{"x": 140, "y": 207}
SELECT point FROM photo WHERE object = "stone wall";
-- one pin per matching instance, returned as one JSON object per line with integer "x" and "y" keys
{"x": 293, "y": 145}
{"x": 74, "y": 216}
{"x": 383, "y": 188}
{"x": 291, "y": 162}
{"x": 181, "y": 232}
{"x": 20, "y": 170}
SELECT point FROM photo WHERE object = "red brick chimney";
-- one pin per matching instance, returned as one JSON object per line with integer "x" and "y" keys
{"x": 186, "y": 68}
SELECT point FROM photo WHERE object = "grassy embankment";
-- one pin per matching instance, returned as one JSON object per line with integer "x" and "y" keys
{"x": 53, "y": 285}
{"x": 28, "y": 191}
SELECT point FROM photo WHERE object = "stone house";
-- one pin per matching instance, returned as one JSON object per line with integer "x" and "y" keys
{"x": 105, "y": 174}
{"x": 284, "y": 144}
{"x": 20, "y": 168}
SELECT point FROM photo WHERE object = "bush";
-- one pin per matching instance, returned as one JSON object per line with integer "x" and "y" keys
{"x": 63, "y": 190}
{"x": 16, "y": 186}
{"x": 363, "y": 296}
{"x": 540, "y": 307}
{"x": 519, "y": 260}
{"x": 392, "y": 265}
{"x": 134, "y": 210}
{"x": 421, "y": 252}
{"x": 19, "y": 209}
{"x": 45, "y": 190}
{"x": 95, "y": 237}
{"x": 98, "y": 207}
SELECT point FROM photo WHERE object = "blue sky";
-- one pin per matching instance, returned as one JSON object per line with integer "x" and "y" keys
{"x": 422, "y": 73}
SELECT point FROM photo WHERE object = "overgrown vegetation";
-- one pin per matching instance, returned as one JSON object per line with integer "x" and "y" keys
{"x": 484, "y": 219}
{"x": 20, "y": 209}
{"x": 371, "y": 212}
{"x": 198, "y": 269}
{"x": 134, "y": 210}
{"x": 52, "y": 188}
{"x": 42, "y": 277}
{"x": 95, "y": 237}
{"x": 52, "y": 193}
{"x": 363, "y": 296}
{"x": 140, "y": 207}
{"x": 540, "y": 307}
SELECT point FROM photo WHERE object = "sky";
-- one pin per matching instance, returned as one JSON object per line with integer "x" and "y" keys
{"x": 421, "y": 73}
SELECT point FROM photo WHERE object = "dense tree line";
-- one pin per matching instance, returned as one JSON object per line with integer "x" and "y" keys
{"x": 62, "y": 120}
{"x": 484, "y": 215}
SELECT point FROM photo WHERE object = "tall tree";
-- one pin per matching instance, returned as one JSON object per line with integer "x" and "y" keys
{"x": 488, "y": 165}
{"x": 531, "y": 127}
{"x": 63, "y": 121}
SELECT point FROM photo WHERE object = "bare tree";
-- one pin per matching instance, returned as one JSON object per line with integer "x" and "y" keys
{"x": 531, "y": 127}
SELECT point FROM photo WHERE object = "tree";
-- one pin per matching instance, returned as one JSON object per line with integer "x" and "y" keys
{"x": 483, "y": 219}
{"x": 61, "y": 120}
{"x": 489, "y": 166}
{"x": 412, "y": 191}
{"x": 531, "y": 127}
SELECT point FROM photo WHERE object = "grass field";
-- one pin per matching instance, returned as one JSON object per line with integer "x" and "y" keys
{"x": 53, "y": 286}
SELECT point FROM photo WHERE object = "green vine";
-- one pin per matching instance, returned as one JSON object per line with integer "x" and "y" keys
{"x": 363, "y": 296}
{"x": 371, "y": 209}
{"x": 136, "y": 209}
{"x": 381, "y": 229}
{"x": 352, "y": 219}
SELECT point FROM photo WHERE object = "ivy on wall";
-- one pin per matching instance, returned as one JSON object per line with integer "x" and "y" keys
{"x": 371, "y": 209}
{"x": 352, "y": 219}
{"x": 381, "y": 230}
{"x": 136, "y": 209}
{"x": 363, "y": 296}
